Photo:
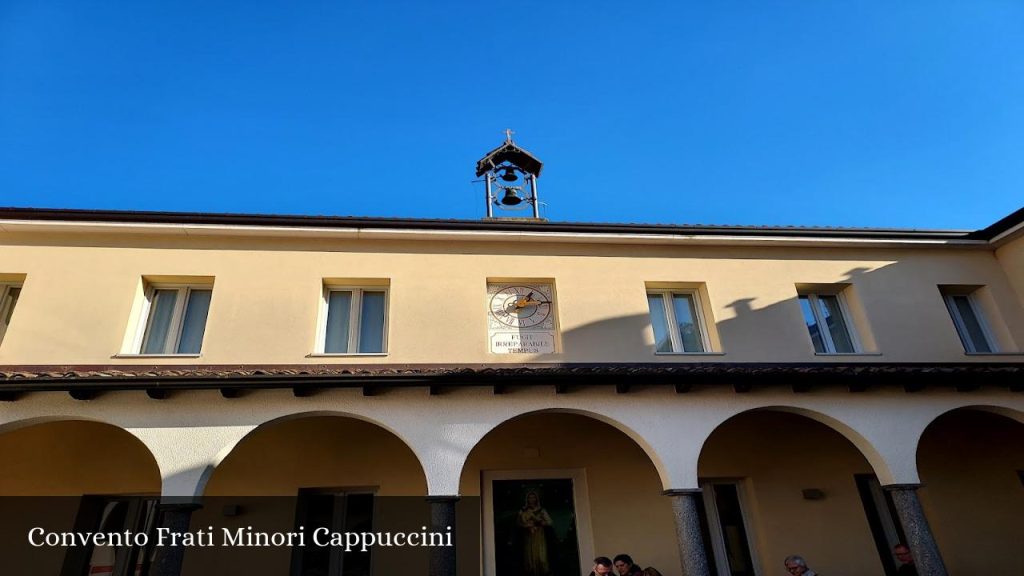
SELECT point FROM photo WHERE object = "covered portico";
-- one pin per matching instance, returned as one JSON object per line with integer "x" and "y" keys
{"x": 563, "y": 486}
{"x": 972, "y": 470}
{"x": 646, "y": 446}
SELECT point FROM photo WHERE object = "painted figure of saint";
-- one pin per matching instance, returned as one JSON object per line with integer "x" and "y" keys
{"x": 535, "y": 522}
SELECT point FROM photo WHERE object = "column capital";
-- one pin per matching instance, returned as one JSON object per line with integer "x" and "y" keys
{"x": 441, "y": 499}
{"x": 178, "y": 506}
{"x": 894, "y": 487}
{"x": 682, "y": 492}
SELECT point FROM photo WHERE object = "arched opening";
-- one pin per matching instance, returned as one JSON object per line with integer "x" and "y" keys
{"x": 64, "y": 475}
{"x": 75, "y": 457}
{"x": 777, "y": 483}
{"x": 560, "y": 488}
{"x": 971, "y": 462}
{"x": 281, "y": 457}
{"x": 318, "y": 470}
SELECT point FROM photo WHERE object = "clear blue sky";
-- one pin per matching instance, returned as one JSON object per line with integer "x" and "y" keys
{"x": 834, "y": 113}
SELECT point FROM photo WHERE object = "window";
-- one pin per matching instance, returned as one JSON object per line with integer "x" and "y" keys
{"x": 338, "y": 510}
{"x": 676, "y": 319}
{"x": 106, "y": 514}
{"x": 828, "y": 324}
{"x": 724, "y": 528}
{"x": 969, "y": 322}
{"x": 8, "y": 300}
{"x": 356, "y": 321}
{"x": 175, "y": 319}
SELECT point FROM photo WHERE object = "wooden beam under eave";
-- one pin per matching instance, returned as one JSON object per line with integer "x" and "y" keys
{"x": 369, "y": 390}
{"x": 82, "y": 394}
{"x": 230, "y": 392}
{"x": 801, "y": 387}
{"x": 157, "y": 393}
{"x": 622, "y": 388}
{"x": 967, "y": 387}
{"x": 498, "y": 389}
{"x": 303, "y": 391}
{"x": 561, "y": 388}
{"x": 8, "y": 396}
{"x": 683, "y": 388}
{"x": 433, "y": 390}
{"x": 742, "y": 387}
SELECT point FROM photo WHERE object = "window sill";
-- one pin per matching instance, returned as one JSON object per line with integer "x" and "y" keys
{"x": 156, "y": 355}
{"x": 689, "y": 353}
{"x": 347, "y": 355}
{"x": 847, "y": 353}
{"x": 993, "y": 353}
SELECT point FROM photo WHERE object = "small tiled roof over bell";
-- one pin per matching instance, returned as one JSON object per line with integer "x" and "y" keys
{"x": 509, "y": 151}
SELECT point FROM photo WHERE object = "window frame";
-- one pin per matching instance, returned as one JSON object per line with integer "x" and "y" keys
{"x": 880, "y": 512}
{"x": 355, "y": 319}
{"x": 826, "y": 334}
{"x": 714, "y": 525}
{"x": 336, "y": 561}
{"x": 668, "y": 308}
{"x": 141, "y": 517}
{"x": 970, "y": 346}
{"x": 177, "y": 319}
{"x": 5, "y": 289}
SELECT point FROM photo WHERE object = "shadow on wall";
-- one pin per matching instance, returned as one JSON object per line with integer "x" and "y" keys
{"x": 775, "y": 332}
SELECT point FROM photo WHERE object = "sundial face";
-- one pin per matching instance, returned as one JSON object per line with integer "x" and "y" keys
{"x": 521, "y": 318}
{"x": 521, "y": 306}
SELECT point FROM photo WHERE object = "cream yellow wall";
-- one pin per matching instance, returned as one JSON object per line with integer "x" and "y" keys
{"x": 79, "y": 289}
{"x": 318, "y": 451}
{"x": 776, "y": 456}
{"x": 72, "y": 458}
{"x": 973, "y": 495}
{"x": 1011, "y": 257}
{"x": 62, "y": 461}
{"x": 628, "y": 513}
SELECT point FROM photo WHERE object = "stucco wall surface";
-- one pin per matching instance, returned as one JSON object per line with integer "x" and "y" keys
{"x": 441, "y": 430}
{"x": 968, "y": 461}
{"x": 778, "y": 455}
{"x": 80, "y": 291}
{"x": 971, "y": 465}
{"x": 1011, "y": 257}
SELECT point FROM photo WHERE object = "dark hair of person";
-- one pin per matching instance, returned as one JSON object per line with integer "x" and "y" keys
{"x": 626, "y": 558}
{"x": 603, "y": 561}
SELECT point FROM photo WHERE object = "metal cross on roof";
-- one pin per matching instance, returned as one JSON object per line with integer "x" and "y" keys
{"x": 508, "y": 134}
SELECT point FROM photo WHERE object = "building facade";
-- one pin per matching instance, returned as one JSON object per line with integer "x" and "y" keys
{"x": 709, "y": 400}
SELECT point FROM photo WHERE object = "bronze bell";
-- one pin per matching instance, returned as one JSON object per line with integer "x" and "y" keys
{"x": 510, "y": 174}
{"x": 511, "y": 198}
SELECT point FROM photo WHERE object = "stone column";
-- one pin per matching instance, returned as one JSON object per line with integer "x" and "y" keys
{"x": 175, "y": 515}
{"x": 442, "y": 516}
{"x": 685, "y": 509}
{"x": 919, "y": 535}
